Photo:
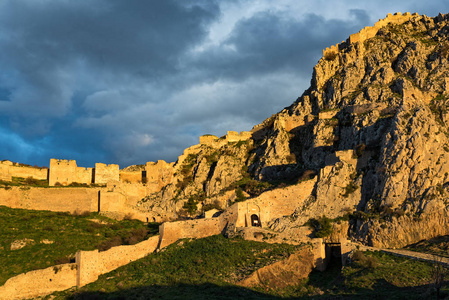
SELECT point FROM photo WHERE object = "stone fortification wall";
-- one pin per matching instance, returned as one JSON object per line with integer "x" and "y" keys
{"x": 4, "y": 171}
{"x": 170, "y": 232}
{"x": 231, "y": 136}
{"x": 274, "y": 204}
{"x": 91, "y": 264}
{"x": 158, "y": 175}
{"x": 116, "y": 200}
{"x": 111, "y": 201}
{"x": 234, "y": 136}
{"x": 53, "y": 199}
{"x": 105, "y": 173}
{"x": 369, "y": 32}
{"x": 208, "y": 139}
{"x": 131, "y": 177}
{"x": 134, "y": 192}
{"x": 39, "y": 282}
{"x": 62, "y": 171}
{"x": 9, "y": 169}
{"x": 66, "y": 172}
{"x": 84, "y": 175}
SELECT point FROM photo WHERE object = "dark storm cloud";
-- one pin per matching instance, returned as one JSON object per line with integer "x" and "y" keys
{"x": 261, "y": 67}
{"x": 269, "y": 42}
{"x": 47, "y": 47}
{"x": 51, "y": 50}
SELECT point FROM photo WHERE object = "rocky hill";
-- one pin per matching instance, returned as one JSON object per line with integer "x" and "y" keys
{"x": 372, "y": 127}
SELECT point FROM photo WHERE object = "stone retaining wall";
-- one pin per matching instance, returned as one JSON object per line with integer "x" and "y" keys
{"x": 91, "y": 264}
{"x": 39, "y": 282}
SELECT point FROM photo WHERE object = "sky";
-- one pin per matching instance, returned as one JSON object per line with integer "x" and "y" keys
{"x": 131, "y": 81}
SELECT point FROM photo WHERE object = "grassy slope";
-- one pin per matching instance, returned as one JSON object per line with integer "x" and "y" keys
{"x": 203, "y": 268}
{"x": 69, "y": 234}
{"x": 208, "y": 269}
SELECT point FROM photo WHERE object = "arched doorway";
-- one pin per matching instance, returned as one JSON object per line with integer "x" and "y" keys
{"x": 255, "y": 220}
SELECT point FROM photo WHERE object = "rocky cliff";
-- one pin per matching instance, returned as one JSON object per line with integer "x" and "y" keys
{"x": 372, "y": 127}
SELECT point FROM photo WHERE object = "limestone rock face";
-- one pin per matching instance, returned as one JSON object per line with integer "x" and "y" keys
{"x": 372, "y": 127}
{"x": 204, "y": 173}
{"x": 383, "y": 101}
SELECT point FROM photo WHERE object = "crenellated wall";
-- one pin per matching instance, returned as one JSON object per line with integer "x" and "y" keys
{"x": 231, "y": 136}
{"x": 66, "y": 171}
{"x": 208, "y": 139}
{"x": 369, "y": 32}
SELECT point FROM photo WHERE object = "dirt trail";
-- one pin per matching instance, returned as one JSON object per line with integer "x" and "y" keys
{"x": 410, "y": 254}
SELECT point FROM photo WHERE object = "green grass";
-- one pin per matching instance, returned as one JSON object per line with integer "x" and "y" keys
{"x": 26, "y": 183}
{"x": 19, "y": 181}
{"x": 397, "y": 271}
{"x": 69, "y": 233}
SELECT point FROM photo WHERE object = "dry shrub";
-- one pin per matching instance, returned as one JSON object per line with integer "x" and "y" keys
{"x": 291, "y": 158}
{"x": 63, "y": 260}
{"x": 365, "y": 261}
{"x": 308, "y": 174}
{"x": 79, "y": 213}
{"x": 128, "y": 216}
{"x": 215, "y": 205}
{"x": 108, "y": 244}
{"x": 331, "y": 55}
{"x": 136, "y": 236}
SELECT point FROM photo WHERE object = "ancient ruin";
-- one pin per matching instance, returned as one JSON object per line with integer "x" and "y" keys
{"x": 366, "y": 147}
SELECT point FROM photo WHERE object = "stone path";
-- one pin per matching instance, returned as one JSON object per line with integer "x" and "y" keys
{"x": 410, "y": 254}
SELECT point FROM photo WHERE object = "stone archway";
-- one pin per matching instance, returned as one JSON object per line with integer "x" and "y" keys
{"x": 333, "y": 254}
{"x": 255, "y": 221}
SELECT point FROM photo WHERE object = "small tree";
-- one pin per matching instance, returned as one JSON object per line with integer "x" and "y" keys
{"x": 239, "y": 195}
{"x": 191, "y": 206}
{"x": 322, "y": 226}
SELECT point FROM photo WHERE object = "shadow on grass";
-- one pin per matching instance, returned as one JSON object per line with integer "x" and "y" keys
{"x": 180, "y": 291}
{"x": 381, "y": 290}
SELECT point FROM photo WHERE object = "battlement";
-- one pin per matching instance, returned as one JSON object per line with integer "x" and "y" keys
{"x": 65, "y": 172}
{"x": 208, "y": 139}
{"x": 231, "y": 136}
{"x": 369, "y": 32}
{"x": 234, "y": 136}
{"x": 62, "y": 162}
